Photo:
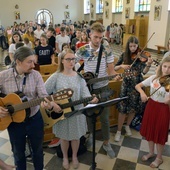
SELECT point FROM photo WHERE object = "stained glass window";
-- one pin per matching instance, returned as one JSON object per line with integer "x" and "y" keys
{"x": 142, "y": 5}
{"x": 117, "y": 6}
{"x": 99, "y": 6}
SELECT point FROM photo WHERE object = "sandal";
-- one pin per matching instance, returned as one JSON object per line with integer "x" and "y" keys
{"x": 75, "y": 163}
{"x": 66, "y": 165}
{"x": 147, "y": 157}
{"x": 156, "y": 163}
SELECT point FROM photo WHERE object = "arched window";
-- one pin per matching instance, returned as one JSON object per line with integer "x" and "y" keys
{"x": 99, "y": 6}
{"x": 117, "y": 6}
{"x": 86, "y": 6}
{"x": 44, "y": 16}
{"x": 142, "y": 5}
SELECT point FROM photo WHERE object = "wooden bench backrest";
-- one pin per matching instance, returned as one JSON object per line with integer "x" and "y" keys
{"x": 48, "y": 69}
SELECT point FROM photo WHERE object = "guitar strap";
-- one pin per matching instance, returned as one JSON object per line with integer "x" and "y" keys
{"x": 99, "y": 60}
{"x": 81, "y": 67}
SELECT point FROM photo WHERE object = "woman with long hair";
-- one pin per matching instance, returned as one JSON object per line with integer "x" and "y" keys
{"x": 130, "y": 61}
{"x": 155, "y": 123}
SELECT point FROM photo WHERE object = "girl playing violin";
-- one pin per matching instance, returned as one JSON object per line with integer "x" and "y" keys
{"x": 155, "y": 123}
{"x": 133, "y": 104}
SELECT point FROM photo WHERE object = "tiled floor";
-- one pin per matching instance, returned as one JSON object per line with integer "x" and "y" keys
{"x": 128, "y": 151}
{"x": 128, "y": 154}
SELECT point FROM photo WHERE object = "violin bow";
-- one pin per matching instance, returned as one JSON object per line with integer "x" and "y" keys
{"x": 143, "y": 48}
{"x": 164, "y": 84}
{"x": 154, "y": 92}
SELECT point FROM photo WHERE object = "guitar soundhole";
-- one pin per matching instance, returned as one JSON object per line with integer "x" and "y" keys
{"x": 10, "y": 109}
{"x": 88, "y": 75}
{"x": 55, "y": 115}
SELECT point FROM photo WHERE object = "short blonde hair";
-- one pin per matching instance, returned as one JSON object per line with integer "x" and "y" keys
{"x": 98, "y": 27}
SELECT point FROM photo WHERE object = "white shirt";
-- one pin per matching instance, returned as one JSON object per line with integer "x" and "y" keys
{"x": 37, "y": 33}
{"x": 159, "y": 95}
{"x": 60, "y": 40}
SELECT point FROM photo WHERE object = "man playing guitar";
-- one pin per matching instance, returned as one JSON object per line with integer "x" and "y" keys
{"x": 22, "y": 78}
{"x": 90, "y": 54}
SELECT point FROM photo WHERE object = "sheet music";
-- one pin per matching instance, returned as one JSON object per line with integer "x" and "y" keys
{"x": 109, "y": 102}
{"x": 93, "y": 106}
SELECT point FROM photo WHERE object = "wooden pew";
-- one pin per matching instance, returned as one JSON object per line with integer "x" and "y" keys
{"x": 160, "y": 47}
{"x": 48, "y": 69}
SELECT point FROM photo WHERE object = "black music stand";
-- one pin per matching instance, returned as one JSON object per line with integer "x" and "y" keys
{"x": 89, "y": 112}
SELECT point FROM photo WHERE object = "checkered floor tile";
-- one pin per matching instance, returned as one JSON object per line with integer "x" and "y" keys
{"x": 128, "y": 154}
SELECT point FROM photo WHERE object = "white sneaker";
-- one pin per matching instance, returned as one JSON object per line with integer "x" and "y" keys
{"x": 117, "y": 136}
{"x": 89, "y": 141}
{"x": 128, "y": 131}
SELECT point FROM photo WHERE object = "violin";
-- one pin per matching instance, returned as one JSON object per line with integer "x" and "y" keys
{"x": 142, "y": 55}
{"x": 165, "y": 82}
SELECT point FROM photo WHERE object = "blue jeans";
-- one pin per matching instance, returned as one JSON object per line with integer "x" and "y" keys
{"x": 33, "y": 128}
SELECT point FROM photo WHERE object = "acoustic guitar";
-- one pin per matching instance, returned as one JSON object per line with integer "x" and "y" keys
{"x": 16, "y": 107}
{"x": 68, "y": 110}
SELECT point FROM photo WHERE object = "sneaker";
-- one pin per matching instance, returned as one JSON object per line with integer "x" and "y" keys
{"x": 117, "y": 136}
{"x": 89, "y": 141}
{"x": 55, "y": 142}
{"x": 29, "y": 158}
{"x": 109, "y": 150}
{"x": 128, "y": 131}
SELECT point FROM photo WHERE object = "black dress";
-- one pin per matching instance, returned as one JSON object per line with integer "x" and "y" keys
{"x": 133, "y": 104}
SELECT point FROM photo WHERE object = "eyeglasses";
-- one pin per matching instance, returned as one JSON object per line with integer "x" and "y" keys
{"x": 70, "y": 59}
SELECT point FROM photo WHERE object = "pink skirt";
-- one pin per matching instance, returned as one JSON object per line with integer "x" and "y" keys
{"x": 155, "y": 123}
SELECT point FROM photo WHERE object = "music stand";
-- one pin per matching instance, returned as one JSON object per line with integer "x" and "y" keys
{"x": 89, "y": 112}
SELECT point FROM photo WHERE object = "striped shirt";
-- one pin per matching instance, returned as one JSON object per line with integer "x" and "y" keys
{"x": 34, "y": 87}
{"x": 90, "y": 57}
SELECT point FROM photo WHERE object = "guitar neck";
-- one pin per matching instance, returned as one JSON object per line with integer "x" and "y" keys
{"x": 95, "y": 80}
{"x": 76, "y": 102}
{"x": 31, "y": 103}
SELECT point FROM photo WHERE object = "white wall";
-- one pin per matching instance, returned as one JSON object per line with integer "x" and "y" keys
{"x": 131, "y": 6}
{"x": 107, "y": 21}
{"x": 159, "y": 27}
{"x": 117, "y": 18}
{"x": 29, "y": 8}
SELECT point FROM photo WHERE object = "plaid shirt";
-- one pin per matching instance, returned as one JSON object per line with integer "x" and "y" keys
{"x": 34, "y": 87}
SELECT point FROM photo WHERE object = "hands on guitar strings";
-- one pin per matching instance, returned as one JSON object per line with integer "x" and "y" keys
{"x": 3, "y": 112}
{"x": 51, "y": 106}
{"x": 95, "y": 99}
